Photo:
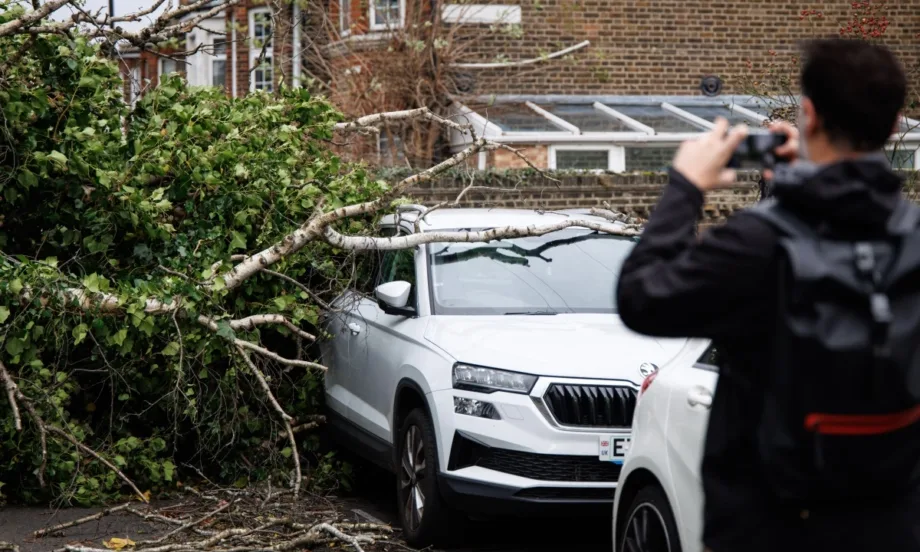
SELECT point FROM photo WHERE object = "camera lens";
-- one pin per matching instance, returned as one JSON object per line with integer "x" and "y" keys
{"x": 711, "y": 86}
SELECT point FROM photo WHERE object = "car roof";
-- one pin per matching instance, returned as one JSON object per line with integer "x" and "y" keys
{"x": 457, "y": 218}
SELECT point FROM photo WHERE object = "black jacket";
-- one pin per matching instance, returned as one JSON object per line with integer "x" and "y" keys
{"x": 724, "y": 287}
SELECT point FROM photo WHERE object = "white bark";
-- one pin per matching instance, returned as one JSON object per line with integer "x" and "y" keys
{"x": 506, "y": 232}
{"x": 531, "y": 61}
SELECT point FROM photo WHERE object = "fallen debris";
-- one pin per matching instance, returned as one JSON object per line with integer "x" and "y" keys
{"x": 240, "y": 520}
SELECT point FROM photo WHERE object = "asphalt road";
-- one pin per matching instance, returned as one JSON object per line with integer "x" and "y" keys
{"x": 372, "y": 500}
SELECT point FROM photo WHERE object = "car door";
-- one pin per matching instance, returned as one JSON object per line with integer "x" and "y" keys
{"x": 691, "y": 400}
{"x": 384, "y": 341}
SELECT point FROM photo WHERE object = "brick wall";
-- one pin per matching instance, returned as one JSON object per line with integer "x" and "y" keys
{"x": 636, "y": 194}
{"x": 661, "y": 46}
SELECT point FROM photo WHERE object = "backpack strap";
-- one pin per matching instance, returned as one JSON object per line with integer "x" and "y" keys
{"x": 783, "y": 220}
{"x": 904, "y": 219}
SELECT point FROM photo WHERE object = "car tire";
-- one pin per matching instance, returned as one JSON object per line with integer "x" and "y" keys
{"x": 650, "y": 524}
{"x": 424, "y": 516}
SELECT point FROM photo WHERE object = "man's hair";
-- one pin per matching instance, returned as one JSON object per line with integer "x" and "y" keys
{"x": 858, "y": 90}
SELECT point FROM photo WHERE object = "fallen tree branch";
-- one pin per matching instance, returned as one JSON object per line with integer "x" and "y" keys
{"x": 507, "y": 232}
{"x": 531, "y": 61}
{"x": 370, "y": 121}
{"x": 190, "y": 524}
{"x": 285, "y": 417}
{"x": 81, "y": 521}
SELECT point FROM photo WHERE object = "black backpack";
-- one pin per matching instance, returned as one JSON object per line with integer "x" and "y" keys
{"x": 842, "y": 398}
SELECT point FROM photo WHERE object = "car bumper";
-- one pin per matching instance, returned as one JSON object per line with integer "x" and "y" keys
{"x": 523, "y": 459}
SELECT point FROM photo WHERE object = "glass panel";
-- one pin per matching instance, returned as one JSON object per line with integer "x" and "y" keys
{"x": 582, "y": 160}
{"x": 168, "y": 66}
{"x": 220, "y": 47}
{"x": 711, "y": 112}
{"x": 516, "y": 118}
{"x": 386, "y": 13}
{"x": 263, "y": 76}
{"x": 261, "y": 30}
{"x": 657, "y": 118}
{"x": 345, "y": 15}
{"x": 657, "y": 158}
{"x": 219, "y": 73}
{"x": 902, "y": 157}
{"x": 561, "y": 272}
{"x": 587, "y": 118}
{"x": 392, "y": 148}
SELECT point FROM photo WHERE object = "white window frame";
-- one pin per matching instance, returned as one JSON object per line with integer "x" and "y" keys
{"x": 218, "y": 57}
{"x": 616, "y": 156}
{"x": 913, "y": 147}
{"x": 345, "y": 22}
{"x": 373, "y": 19}
{"x": 255, "y": 52}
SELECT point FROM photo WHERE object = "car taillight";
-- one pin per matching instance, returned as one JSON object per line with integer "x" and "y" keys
{"x": 647, "y": 381}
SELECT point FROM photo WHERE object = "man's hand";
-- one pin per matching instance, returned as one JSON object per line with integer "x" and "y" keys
{"x": 702, "y": 161}
{"x": 788, "y": 152}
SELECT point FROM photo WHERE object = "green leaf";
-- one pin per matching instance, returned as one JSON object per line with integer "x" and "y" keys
{"x": 79, "y": 333}
{"x": 171, "y": 349}
{"x": 168, "y": 469}
{"x": 224, "y": 330}
{"x": 4, "y": 314}
{"x": 16, "y": 286}
{"x": 60, "y": 377}
{"x": 286, "y": 452}
{"x": 238, "y": 242}
{"x": 58, "y": 157}
{"x": 119, "y": 337}
{"x": 14, "y": 346}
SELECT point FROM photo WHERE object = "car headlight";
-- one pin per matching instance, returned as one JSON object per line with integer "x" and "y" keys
{"x": 488, "y": 380}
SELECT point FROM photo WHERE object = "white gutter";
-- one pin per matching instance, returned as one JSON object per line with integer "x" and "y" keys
{"x": 295, "y": 58}
{"x": 233, "y": 54}
{"x": 625, "y": 119}
{"x": 687, "y": 116}
{"x": 553, "y": 118}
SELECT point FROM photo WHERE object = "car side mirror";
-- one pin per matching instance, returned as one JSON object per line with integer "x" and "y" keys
{"x": 393, "y": 298}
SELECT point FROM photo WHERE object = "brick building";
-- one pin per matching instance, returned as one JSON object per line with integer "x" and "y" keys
{"x": 625, "y": 93}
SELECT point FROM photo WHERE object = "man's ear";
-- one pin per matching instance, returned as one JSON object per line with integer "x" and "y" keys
{"x": 810, "y": 123}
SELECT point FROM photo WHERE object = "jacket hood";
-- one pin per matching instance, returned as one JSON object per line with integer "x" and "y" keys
{"x": 856, "y": 194}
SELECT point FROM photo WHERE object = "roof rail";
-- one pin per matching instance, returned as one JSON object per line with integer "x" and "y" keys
{"x": 412, "y": 207}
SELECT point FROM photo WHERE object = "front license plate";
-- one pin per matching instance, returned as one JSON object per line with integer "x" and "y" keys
{"x": 613, "y": 448}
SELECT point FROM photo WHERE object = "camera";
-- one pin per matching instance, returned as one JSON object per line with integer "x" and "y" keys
{"x": 758, "y": 150}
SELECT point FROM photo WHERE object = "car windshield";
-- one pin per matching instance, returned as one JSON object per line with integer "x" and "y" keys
{"x": 570, "y": 271}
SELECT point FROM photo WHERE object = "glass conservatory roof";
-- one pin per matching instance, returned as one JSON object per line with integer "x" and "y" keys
{"x": 618, "y": 119}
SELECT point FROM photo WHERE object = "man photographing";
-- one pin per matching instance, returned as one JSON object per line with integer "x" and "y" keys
{"x": 813, "y": 300}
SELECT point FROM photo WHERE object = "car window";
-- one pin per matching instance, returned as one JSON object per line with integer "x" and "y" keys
{"x": 711, "y": 359}
{"x": 398, "y": 266}
{"x": 568, "y": 271}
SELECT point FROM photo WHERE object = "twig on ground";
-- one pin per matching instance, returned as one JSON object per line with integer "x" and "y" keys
{"x": 81, "y": 521}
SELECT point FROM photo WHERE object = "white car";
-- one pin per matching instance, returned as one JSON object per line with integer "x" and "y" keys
{"x": 489, "y": 377}
{"x": 659, "y": 502}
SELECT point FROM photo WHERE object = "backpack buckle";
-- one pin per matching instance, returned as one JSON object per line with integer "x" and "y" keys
{"x": 881, "y": 308}
{"x": 865, "y": 257}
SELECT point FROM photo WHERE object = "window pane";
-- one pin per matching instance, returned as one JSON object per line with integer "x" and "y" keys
{"x": 386, "y": 12}
{"x": 219, "y": 73}
{"x": 586, "y": 160}
{"x": 261, "y": 30}
{"x": 649, "y": 159}
{"x": 902, "y": 157}
{"x": 587, "y": 118}
{"x": 565, "y": 271}
{"x": 515, "y": 118}
{"x": 220, "y": 47}
{"x": 657, "y": 118}
{"x": 168, "y": 66}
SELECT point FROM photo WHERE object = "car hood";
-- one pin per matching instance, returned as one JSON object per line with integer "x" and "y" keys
{"x": 595, "y": 346}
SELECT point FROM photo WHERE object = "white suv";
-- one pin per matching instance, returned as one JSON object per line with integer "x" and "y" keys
{"x": 488, "y": 375}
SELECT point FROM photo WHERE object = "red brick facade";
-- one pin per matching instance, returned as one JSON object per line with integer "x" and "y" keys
{"x": 663, "y": 46}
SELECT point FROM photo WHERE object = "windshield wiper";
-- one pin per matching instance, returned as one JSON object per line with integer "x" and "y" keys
{"x": 532, "y": 313}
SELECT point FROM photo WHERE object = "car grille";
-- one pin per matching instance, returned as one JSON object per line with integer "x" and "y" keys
{"x": 591, "y": 405}
{"x": 544, "y": 467}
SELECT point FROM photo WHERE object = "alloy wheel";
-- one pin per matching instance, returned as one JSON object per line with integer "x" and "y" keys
{"x": 411, "y": 475}
{"x": 646, "y": 531}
